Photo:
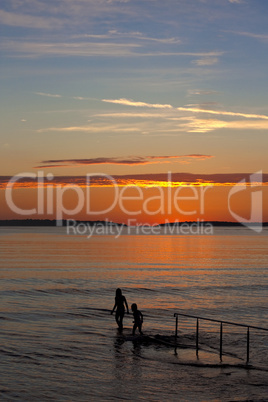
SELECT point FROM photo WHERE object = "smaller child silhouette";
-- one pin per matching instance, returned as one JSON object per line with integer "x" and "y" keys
{"x": 138, "y": 318}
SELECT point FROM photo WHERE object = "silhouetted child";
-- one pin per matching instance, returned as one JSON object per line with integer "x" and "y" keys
{"x": 119, "y": 305}
{"x": 138, "y": 318}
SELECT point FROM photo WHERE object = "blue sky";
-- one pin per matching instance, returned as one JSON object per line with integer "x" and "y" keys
{"x": 181, "y": 83}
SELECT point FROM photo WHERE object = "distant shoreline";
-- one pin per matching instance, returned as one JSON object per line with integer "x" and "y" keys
{"x": 53, "y": 222}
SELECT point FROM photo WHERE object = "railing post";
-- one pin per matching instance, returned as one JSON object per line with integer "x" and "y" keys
{"x": 197, "y": 334}
{"x": 248, "y": 345}
{"x": 176, "y": 328}
{"x": 221, "y": 342}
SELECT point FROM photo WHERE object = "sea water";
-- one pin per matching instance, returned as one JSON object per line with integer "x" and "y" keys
{"x": 60, "y": 342}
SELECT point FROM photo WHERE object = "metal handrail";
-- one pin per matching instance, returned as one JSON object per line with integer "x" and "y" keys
{"x": 221, "y": 329}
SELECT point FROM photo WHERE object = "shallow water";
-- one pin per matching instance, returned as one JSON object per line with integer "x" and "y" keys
{"x": 60, "y": 342}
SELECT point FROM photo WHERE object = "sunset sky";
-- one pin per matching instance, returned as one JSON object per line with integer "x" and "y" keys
{"x": 134, "y": 88}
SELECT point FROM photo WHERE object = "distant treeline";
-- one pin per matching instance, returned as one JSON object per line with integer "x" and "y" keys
{"x": 49, "y": 222}
{"x": 53, "y": 222}
{"x": 213, "y": 223}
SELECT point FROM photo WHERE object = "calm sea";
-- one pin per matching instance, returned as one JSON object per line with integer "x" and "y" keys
{"x": 59, "y": 341}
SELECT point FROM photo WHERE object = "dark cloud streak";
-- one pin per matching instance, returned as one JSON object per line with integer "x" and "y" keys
{"x": 134, "y": 160}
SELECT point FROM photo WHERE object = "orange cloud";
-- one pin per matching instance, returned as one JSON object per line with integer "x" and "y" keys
{"x": 224, "y": 113}
{"x": 140, "y": 180}
{"x": 130, "y": 102}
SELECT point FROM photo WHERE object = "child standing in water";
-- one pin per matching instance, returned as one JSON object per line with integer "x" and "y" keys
{"x": 138, "y": 318}
{"x": 119, "y": 305}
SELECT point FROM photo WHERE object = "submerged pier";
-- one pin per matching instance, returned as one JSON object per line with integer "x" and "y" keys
{"x": 221, "y": 322}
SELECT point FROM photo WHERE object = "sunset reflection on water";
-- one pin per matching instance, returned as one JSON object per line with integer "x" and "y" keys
{"x": 58, "y": 291}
